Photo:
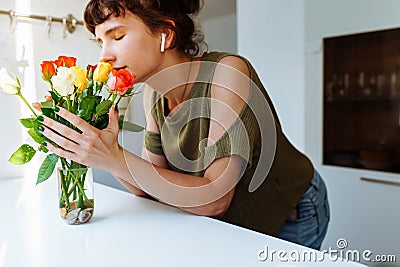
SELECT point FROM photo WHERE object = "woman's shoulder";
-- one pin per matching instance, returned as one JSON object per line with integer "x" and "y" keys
{"x": 216, "y": 56}
{"x": 229, "y": 59}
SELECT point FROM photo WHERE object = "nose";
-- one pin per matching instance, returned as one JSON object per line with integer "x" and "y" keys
{"x": 106, "y": 55}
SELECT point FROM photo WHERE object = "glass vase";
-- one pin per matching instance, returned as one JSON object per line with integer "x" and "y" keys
{"x": 75, "y": 194}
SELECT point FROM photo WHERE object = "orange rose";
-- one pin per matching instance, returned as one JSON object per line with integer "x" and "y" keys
{"x": 48, "y": 70}
{"x": 64, "y": 61}
{"x": 121, "y": 81}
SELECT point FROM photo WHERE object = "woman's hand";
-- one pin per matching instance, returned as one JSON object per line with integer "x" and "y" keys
{"x": 93, "y": 147}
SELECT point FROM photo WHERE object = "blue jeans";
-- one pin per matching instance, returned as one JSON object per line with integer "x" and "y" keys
{"x": 309, "y": 226}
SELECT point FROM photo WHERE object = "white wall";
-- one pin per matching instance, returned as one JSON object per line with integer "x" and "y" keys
{"x": 218, "y": 22}
{"x": 31, "y": 42}
{"x": 270, "y": 35}
{"x": 10, "y": 136}
{"x": 214, "y": 26}
{"x": 76, "y": 44}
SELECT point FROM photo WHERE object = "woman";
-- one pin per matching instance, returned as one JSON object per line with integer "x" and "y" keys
{"x": 213, "y": 143}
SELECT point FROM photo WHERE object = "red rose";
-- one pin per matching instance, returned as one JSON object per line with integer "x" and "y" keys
{"x": 48, "y": 70}
{"x": 121, "y": 81}
{"x": 64, "y": 61}
{"x": 90, "y": 69}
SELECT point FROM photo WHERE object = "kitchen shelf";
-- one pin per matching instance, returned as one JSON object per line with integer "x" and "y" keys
{"x": 361, "y": 103}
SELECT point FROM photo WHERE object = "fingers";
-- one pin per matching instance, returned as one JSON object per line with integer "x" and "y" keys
{"x": 62, "y": 141}
{"x": 60, "y": 151}
{"x": 75, "y": 145}
{"x": 37, "y": 106}
{"x": 78, "y": 122}
{"x": 60, "y": 128}
{"x": 113, "y": 124}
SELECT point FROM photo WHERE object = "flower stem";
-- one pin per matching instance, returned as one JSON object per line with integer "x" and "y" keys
{"x": 63, "y": 188}
{"x": 118, "y": 98}
{"x": 82, "y": 193}
{"x": 76, "y": 184}
{"x": 26, "y": 102}
{"x": 68, "y": 102}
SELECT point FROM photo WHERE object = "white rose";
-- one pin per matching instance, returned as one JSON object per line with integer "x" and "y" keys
{"x": 7, "y": 84}
{"x": 63, "y": 82}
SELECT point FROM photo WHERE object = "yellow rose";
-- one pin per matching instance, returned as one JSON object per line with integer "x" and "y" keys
{"x": 80, "y": 78}
{"x": 102, "y": 71}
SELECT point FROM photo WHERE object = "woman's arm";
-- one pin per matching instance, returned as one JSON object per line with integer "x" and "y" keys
{"x": 227, "y": 168}
{"x": 151, "y": 126}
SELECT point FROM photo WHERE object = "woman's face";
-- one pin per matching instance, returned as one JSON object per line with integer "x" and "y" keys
{"x": 127, "y": 43}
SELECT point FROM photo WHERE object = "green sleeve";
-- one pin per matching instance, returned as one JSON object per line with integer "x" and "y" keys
{"x": 239, "y": 139}
{"x": 152, "y": 142}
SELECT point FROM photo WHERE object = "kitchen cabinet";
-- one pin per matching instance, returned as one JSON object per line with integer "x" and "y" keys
{"x": 361, "y": 104}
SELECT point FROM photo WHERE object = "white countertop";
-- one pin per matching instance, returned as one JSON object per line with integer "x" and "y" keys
{"x": 125, "y": 231}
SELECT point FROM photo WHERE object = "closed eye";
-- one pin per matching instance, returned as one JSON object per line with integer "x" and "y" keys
{"x": 119, "y": 37}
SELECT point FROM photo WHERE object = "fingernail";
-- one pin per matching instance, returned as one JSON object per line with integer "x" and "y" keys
{"x": 41, "y": 128}
{"x": 44, "y": 144}
{"x": 40, "y": 118}
{"x": 56, "y": 109}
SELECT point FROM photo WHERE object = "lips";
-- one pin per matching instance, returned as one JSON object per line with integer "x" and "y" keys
{"x": 119, "y": 68}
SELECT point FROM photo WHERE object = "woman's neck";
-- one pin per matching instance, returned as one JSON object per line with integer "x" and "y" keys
{"x": 181, "y": 72}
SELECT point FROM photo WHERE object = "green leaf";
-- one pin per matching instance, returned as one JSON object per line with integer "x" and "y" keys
{"x": 86, "y": 91}
{"x": 35, "y": 128}
{"x": 22, "y": 155}
{"x": 38, "y": 139}
{"x": 27, "y": 122}
{"x": 129, "y": 126}
{"x": 78, "y": 172}
{"x": 43, "y": 149}
{"x": 101, "y": 122}
{"x": 103, "y": 107}
{"x": 55, "y": 97}
{"x": 47, "y": 104}
{"x": 87, "y": 107}
{"x": 47, "y": 168}
{"x": 49, "y": 112}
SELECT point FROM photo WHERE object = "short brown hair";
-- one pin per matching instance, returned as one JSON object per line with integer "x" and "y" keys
{"x": 155, "y": 14}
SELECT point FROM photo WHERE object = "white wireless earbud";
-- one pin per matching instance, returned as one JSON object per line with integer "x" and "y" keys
{"x": 163, "y": 36}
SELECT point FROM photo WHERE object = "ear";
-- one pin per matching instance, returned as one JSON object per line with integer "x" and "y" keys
{"x": 170, "y": 34}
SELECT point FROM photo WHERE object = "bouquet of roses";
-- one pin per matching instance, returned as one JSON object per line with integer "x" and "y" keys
{"x": 81, "y": 92}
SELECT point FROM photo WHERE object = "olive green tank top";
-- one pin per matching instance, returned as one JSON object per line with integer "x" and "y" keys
{"x": 184, "y": 136}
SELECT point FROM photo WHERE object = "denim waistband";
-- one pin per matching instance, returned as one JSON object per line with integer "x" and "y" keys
{"x": 316, "y": 183}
